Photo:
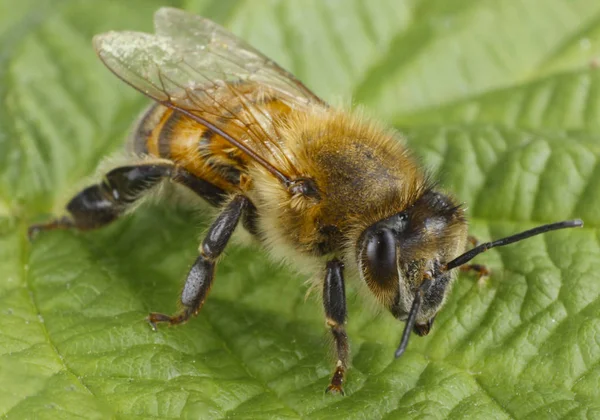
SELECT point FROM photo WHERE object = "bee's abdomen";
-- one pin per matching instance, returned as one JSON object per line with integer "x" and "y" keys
{"x": 145, "y": 126}
{"x": 164, "y": 133}
{"x": 250, "y": 115}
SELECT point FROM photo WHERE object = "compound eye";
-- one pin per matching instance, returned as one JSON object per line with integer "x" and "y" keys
{"x": 381, "y": 256}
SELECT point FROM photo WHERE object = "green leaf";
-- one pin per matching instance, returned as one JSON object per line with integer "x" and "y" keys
{"x": 498, "y": 99}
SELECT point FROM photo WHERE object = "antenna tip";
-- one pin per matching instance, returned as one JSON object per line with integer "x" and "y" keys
{"x": 399, "y": 352}
{"x": 577, "y": 223}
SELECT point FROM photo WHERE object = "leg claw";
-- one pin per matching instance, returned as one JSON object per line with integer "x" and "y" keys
{"x": 335, "y": 386}
{"x": 481, "y": 271}
{"x": 335, "y": 390}
{"x": 62, "y": 223}
{"x": 152, "y": 324}
{"x": 154, "y": 318}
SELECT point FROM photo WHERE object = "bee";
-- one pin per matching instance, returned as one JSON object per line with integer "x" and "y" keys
{"x": 318, "y": 186}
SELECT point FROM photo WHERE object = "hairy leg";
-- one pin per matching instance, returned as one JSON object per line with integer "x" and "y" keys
{"x": 102, "y": 203}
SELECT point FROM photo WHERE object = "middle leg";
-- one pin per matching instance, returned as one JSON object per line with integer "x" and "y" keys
{"x": 200, "y": 277}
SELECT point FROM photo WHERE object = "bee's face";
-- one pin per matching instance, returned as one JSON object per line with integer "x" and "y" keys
{"x": 395, "y": 253}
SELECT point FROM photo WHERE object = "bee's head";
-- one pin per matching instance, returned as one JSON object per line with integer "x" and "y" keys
{"x": 395, "y": 253}
{"x": 407, "y": 259}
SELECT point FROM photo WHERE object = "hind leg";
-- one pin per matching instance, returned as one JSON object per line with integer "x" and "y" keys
{"x": 100, "y": 204}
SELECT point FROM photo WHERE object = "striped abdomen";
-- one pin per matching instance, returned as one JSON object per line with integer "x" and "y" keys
{"x": 168, "y": 134}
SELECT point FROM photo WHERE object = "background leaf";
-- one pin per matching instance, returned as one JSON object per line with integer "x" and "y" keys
{"x": 499, "y": 99}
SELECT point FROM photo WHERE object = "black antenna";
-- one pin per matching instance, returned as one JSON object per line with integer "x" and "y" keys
{"x": 412, "y": 315}
{"x": 469, "y": 255}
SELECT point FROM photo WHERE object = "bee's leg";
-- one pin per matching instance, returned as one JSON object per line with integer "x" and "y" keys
{"x": 100, "y": 204}
{"x": 481, "y": 271}
{"x": 472, "y": 240}
{"x": 200, "y": 277}
{"x": 207, "y": 191}
{"x": 334, "y": 301}
{"x": 104, "y": 202}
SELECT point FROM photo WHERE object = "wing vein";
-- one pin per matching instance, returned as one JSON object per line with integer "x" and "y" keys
{"x": 201, "y": 70}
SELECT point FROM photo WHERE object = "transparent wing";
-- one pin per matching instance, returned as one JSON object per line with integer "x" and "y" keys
{"x": 234, "y": 56}
{"x": 198, "y": 68}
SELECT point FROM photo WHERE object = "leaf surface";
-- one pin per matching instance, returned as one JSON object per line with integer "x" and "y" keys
{"x": 498, "y": 99}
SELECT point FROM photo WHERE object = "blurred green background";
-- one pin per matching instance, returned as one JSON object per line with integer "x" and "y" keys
{"x": 498, "y": 99}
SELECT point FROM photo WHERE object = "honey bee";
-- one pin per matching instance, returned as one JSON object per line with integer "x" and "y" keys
{"x": 318, "y": 186}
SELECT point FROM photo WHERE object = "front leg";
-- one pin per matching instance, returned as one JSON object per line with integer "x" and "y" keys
{"x": 200, "y": 277}
{"x": 334, "y": 301}
{"x": 480, "y": 270}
